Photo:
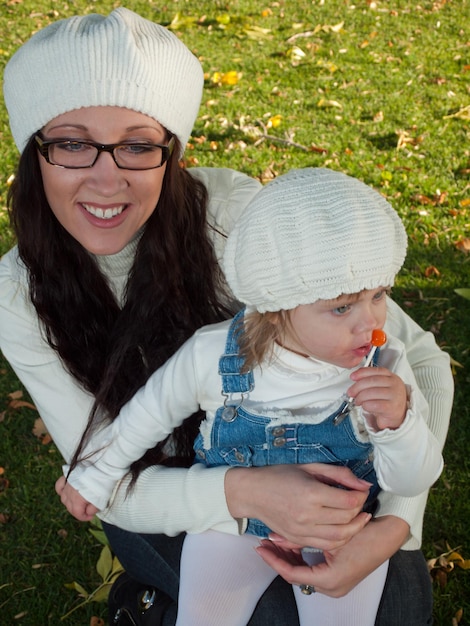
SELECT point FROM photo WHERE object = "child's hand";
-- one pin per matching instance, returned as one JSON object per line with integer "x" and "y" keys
{"x": 382, "y": 394}
{"x": 75, "y": 504}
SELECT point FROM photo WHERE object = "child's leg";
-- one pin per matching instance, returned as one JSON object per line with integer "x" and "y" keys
{"x": 357, "y": 608}
{"x": 222, "y": 579}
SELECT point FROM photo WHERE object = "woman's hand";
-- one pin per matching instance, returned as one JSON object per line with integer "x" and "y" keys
{"x": 75, "y": 504}
{"x": 302, "y": 503}
{"x": 343, "y": 568}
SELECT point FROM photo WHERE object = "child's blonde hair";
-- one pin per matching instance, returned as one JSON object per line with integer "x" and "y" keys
{"x": 258, "y": 334}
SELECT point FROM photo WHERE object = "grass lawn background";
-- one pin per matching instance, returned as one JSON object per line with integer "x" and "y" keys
{"x": 379, "y": 90}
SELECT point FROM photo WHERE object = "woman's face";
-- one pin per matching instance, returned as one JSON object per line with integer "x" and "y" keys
{"x": 103, "y": 206}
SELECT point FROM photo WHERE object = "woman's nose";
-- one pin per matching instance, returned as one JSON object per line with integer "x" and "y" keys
{"x": 106, "y": 176}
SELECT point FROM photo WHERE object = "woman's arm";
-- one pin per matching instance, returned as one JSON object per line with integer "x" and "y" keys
{"x": 431, "y": 368}
{"x": 61, "y": 402}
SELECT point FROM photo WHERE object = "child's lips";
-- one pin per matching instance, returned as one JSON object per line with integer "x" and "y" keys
{"x": 362, "y": 351}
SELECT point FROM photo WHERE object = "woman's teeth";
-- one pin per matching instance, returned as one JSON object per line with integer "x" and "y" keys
{"x": 105, "y": 214}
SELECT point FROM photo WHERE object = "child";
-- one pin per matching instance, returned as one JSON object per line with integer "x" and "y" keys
{"x": 312, "y": 258}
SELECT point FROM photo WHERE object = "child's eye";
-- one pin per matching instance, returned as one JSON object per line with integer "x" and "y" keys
{"x": 381, "y": 294}
{"x": 341, "y": 310}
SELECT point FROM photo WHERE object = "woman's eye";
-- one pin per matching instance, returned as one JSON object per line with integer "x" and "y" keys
{"x": 137, "y": 148}
{"x": 73, "y": 146}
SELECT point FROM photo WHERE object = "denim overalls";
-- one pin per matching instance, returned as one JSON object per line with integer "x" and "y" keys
{"x": 244, "y": 439}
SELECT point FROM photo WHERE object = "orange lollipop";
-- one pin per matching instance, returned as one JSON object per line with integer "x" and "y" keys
{"x": 379, "y": 337}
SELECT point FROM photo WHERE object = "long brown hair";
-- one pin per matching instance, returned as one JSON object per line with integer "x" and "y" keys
{"x": 173, "y": 289}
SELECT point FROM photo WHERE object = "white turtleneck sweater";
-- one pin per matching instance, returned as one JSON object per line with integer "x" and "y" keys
{"x": 172, "y": 500}
{"x": 288, "y": 389}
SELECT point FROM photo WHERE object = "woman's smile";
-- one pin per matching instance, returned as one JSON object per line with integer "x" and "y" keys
{"x": 104, "y": 213}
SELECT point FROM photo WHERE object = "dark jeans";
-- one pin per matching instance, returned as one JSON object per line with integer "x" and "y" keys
{"x": 155, "y": 559}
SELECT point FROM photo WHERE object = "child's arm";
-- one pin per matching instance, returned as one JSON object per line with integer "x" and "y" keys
{"x": 407, "y": 456}
{"x": 169, "y": 396}
{"x": 75, "y": 504}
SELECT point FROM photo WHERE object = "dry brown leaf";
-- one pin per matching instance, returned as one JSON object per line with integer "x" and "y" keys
{"x": 15, "y": 395}
{"x": 39, "y": 429}
{"x": 96, "y": 621}
{"x": 20, "y": 404}
{"x": 463, "y": 245}
{"x": 431, "y": 270}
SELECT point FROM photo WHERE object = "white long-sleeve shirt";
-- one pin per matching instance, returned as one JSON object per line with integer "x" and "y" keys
{"x": 172, "y": 500}
{"x": 290, "y": 388}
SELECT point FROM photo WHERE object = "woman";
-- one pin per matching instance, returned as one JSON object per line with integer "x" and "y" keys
{"x": 116, "y": 265}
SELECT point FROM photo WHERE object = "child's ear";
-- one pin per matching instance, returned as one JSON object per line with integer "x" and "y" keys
{"x": 277, "y": 318}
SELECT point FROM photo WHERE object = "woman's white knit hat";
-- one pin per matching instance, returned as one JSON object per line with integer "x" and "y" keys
{"x": 119, "y": 60}
{"x": 313, "y": 234}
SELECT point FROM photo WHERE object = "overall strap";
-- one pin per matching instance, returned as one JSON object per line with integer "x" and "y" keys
{"x": 231, "y": 363}
{"x": 375, "y": 358}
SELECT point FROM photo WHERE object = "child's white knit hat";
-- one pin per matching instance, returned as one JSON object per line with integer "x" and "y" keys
{"x": 313, "y": 234}
{"x": 119, "y": 60}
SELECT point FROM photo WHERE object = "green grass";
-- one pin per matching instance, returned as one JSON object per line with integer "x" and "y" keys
{"x": 382, "y": 97}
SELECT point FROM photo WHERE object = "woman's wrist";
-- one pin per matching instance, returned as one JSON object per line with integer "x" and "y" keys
{"x": 237, "y": 491}
{"x": 388, "y": 532}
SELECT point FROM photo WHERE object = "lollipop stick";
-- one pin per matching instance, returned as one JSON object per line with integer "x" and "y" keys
{"x": 378, "y": 339}
{"x": 370, "y": 356}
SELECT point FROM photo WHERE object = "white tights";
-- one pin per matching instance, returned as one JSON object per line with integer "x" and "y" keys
{"x": 222, "y": 579}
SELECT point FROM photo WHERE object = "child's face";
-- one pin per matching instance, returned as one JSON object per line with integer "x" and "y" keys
{"x": 337, "y": 331}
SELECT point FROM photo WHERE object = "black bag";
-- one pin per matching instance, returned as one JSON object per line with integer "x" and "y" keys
{"x": 131, "y": 603}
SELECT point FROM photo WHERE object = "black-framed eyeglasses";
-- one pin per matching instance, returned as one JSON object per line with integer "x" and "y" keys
{"x": 74, "y": 154}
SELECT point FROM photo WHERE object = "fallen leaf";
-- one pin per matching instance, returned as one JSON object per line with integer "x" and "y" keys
{"x": 464, "y": 292}
{"x": 256, "y": 32}
{"x": 40, "y": 431}
{"x": 329, "y": 103}
{"x": 96, "y": 621}
{"x": 20, "y": 404}
{"x": 226, "y": 78}
{"x": 431, "y": 270}
{"x": 274, "y": 121}
{"x": 179, "y": 21}
{"x": 15, "y": 395}
{"x": 463, "y": 245}
{"x": 295, "y": 54}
